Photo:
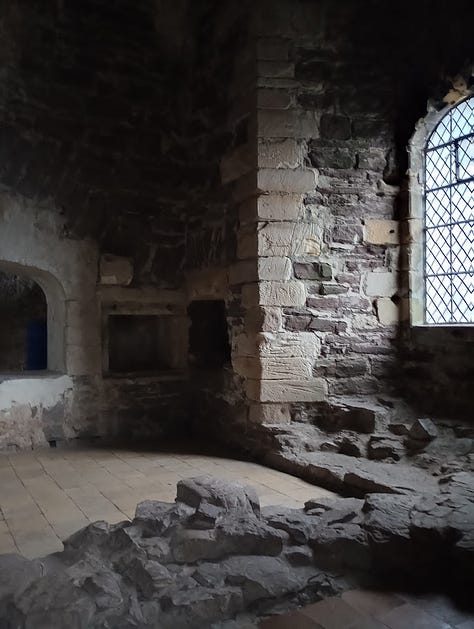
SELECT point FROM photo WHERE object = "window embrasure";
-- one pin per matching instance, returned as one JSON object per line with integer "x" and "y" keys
{"x": 442, "y": 217}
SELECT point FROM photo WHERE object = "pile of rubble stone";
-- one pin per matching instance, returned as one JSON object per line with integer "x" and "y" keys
{"x": 354, "y": 445}
{"x": 215, "y": 559}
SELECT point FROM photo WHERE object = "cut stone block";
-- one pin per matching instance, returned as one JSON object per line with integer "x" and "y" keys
{"x": 280, "y": 154}
{"x": 287, "y": 124}
{"x": 299, "y": 180}
{"x": 276, "y": 269}
{"x": 291, "y": 293}
{"x": 115, "y": 270}
{"x": 287, "y": 391}
{"x": 289, "y": 345}
{"x": 289, "y": 239}
{"x": 388, "y": 313}
{"x": 381, "y": 232}
{"x": 269, "y": 414}
{"x": 276, "y": 207}
{"x": 264, "y": 319}
{"x": 272, "y": 368}
{"x": 268, "y": 98}
{"x": 381, "y": 284}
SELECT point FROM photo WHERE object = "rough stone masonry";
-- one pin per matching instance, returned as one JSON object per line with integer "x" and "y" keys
{"x": 215, "y": 559}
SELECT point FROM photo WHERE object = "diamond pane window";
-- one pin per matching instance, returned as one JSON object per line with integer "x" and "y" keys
{"x": 449, "y": 218}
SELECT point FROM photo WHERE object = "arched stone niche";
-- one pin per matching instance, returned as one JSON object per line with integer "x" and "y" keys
{"x": 48, "y": 406}
{"x": 32, "y": 243}
{"x": 56, "y": 316}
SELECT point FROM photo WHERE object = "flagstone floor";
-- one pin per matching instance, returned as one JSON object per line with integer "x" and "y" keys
{"x": 47, "y": 494}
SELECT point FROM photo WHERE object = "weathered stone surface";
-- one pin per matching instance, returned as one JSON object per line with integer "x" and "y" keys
{"x": 276, "y": 207}
{"x": 382, "y": 447}
{"x": 263, "y": 558}
{"x": 115, "y": 270}
{"x": 335, "y": 127}
{"x": 269, "y": 577}
{"x": 423, "y": 429}
{"x": 312, "y": 270}
{"x": 297, "y": 181}
{"x": 349, "y": 414}
{"x": 270, "y": 413}
{"x": 273, "y": 369}
{"x": 343, "y": 545}
{"x": 287, "y": 124}
{"x": 311, "y": 390}
{"x": 289, "y": 239}
{"x": 16, "y": 573}
{"x": 276, "y": 269}
{"x": 388, "y": 312}
{"x": 352, "y": 475}
{"x": 381, "y": 232}
{"x": 381, "y": 284}
{"x": 289, "y": 345}
{"x": 280, "y": 154}
{"x": 281, "y": 293}
{"x": 206, "y": 489}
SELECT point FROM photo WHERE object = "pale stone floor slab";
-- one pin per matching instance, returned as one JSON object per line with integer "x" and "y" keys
{"x": 47, "y": 494}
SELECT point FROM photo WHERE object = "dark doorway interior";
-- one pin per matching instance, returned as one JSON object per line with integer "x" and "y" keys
{"x": 23, "y": 327}
{"x": 209, "y": 346}
{"x": 140, "y": 343}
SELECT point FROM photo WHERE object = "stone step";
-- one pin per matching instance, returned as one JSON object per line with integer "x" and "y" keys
{"x": 351, "y": 476}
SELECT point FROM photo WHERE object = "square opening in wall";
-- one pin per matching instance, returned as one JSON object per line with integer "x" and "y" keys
{"x": 209, "y": 346}
{"x": 141, "y": 343}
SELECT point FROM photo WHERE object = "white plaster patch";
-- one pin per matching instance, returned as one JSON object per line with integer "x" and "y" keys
{"x": 35, "y": 391}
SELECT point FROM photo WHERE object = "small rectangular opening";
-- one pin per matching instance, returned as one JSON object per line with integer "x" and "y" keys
{"x": 209, "y": 346}
{"x": 140, "y": 343}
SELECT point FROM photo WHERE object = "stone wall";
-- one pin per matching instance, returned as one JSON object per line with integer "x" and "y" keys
{"x": 89, "y": 110}
{"x": 153, "y": 155}
{"x": 340, "y": 88}
{"x": 21, "y": 301}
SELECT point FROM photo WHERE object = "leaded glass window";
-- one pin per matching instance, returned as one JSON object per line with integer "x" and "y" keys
{"x": 449, "y": 218}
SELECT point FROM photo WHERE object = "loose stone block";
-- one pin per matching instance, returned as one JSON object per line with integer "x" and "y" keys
{"x": 388, "y": 313}
{"x": 299, "y": 180}
{"x": 381, "y": 232}
{"x": 115, "y": 270}
{"x": 314, "y": 390}
{"x": 282, "y": 293}
{"x": 274, "y": 268}
{"x": 280, "y": 154}
{"x": 381, "y": 284}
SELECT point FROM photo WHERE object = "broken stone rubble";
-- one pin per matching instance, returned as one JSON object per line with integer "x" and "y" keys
{"x": 214, "y": 556}
{"x": 319, "y": 443}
